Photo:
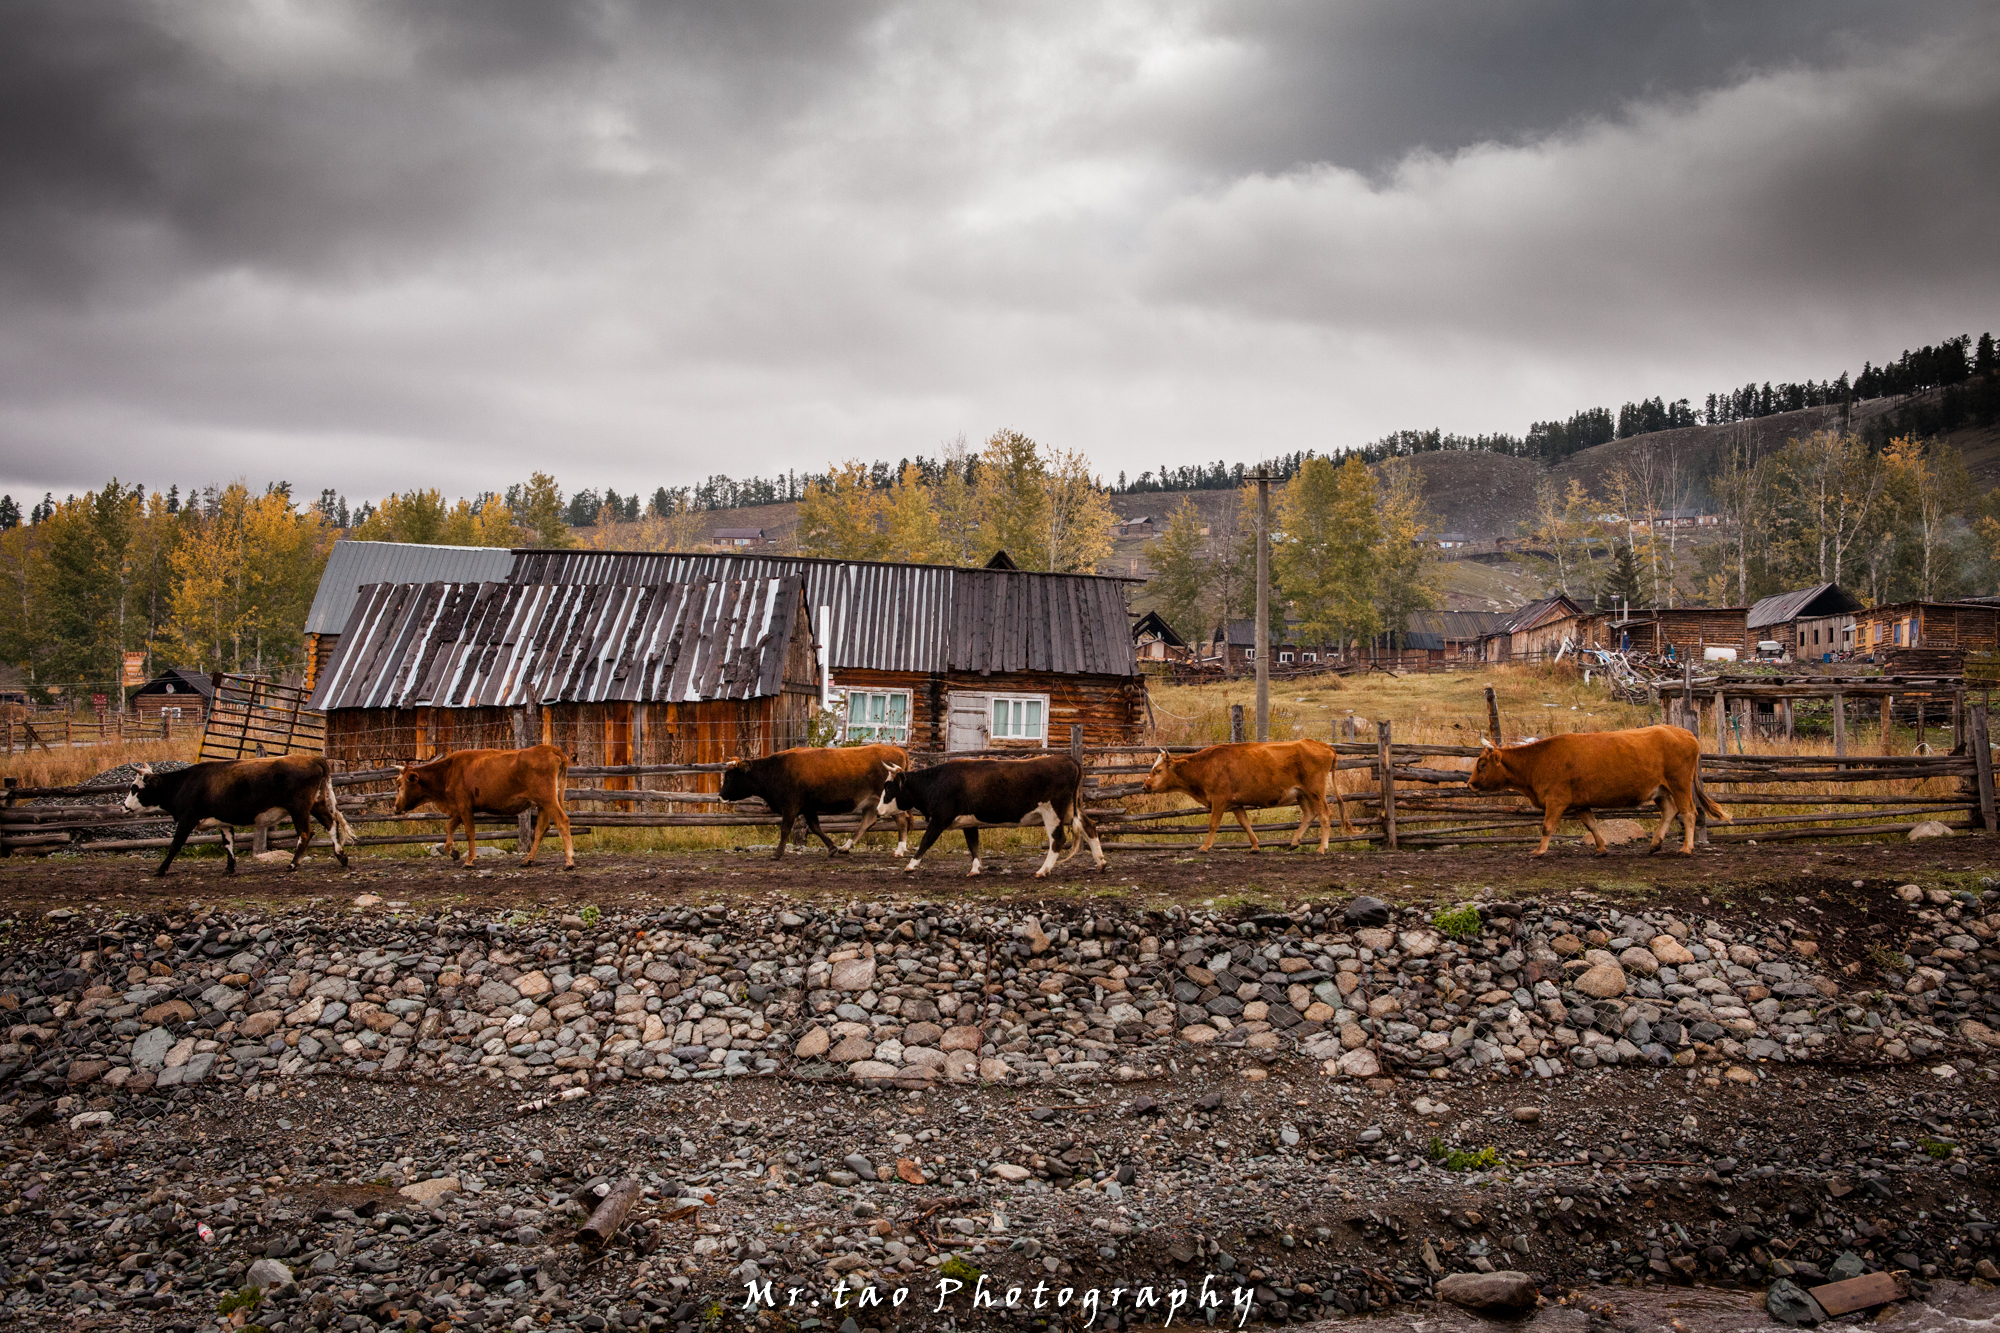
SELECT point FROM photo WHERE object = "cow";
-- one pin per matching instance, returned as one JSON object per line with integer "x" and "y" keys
{"x": 1252, "y": 775}
{"x": 234, "y": 792}
{"x": 811, "y": 781}
{"x": 962, "y": 793}
{"x": 1589, "y": 770}
{"x": 491, "y": 782}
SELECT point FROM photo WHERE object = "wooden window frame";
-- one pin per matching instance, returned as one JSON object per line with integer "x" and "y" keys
{"x": 848, "y": 696}
{"x": 993, "y": 722}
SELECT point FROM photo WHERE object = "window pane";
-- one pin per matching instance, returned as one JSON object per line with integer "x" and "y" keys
{"x": 999, "y": 718}
{"x": 876, "y": 704}
{"x": 857, "y": 706}
{"x": 1032, "y": 727}
{"x": 899, "y": 708}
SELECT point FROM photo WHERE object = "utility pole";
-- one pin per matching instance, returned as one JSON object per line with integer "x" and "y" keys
{"x": 1263, "y": 632}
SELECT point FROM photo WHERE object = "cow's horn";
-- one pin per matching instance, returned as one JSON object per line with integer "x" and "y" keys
{"x": 143, "y": 771}
{"x": 894, "y": 768}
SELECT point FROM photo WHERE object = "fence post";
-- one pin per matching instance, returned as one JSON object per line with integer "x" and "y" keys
{"x": 1982, "y": 764}
{"x": 1385, "y": 765}
{"x": 1076, "y": 742}
{"x": 1236, "y": 722}
{"x": 10, "y": 784}
{"x": 1839, "y": 725}
{"x": 1493, "y": 715}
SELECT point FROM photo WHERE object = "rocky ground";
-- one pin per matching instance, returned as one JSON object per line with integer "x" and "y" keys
{"x": 351, "y": 1101}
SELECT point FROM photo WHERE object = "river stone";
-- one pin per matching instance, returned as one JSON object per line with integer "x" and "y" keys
{"x": 1930, "y": 828}
{"x": 853, "y": 974}
{"x": 813, "y": 1045}
{"x": 1791, "y": 1305}
{"x": 1360, "y": 1063}
{"x": 1602, "y": 981}
{"x": 1504, "y": 1292}
{"x": 1365, "y": 911}
{"x": 266, "y": 1274}
{"x": 149, "y": 1048}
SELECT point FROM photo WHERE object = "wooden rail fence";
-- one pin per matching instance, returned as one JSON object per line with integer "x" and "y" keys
{"x": 1400, "y": 795}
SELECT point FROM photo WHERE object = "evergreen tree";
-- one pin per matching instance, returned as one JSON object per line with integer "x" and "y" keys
{"x": 1622, "y": 581}
{"x": 1181, "y": 572}
{"x": 10, "y": 513}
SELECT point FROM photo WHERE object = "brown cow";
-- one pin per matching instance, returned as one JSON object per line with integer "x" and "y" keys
{"x": 491, "y": 782}
{"x": 1250, "y": 775}
{"x": 812, "y": 781}
{"x": 1589, "y": 770}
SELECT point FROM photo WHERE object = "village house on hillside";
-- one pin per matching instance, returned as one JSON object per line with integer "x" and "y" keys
{"x": 1531, "y": 633}
{"x": 929, "y": 656}
{"x": 183, "y": 694}
{"x": 1685, "y": 633}
{"x": 1956, "y": 627}
{"x": 1810, "y": 622}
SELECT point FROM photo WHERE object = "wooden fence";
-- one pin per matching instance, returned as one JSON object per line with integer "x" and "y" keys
{"x": 1405, "y": 798}
{"x": 250, "y": 716}
{"x": 54, "y": 730}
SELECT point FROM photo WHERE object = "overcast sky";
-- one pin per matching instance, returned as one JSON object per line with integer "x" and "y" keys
{"x": 378, "y": 245}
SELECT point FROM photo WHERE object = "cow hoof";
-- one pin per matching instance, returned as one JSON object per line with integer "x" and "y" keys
{"x": 570, "y": 866}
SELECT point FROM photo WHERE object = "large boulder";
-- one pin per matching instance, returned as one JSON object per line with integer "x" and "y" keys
{"x": 1791, "y": 1305}
{"x": 1506, "y": 1293}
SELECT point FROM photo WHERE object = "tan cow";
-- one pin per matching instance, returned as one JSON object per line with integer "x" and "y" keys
{"x": 491, "y": 782}
{"x": 1251, "y": 775}
{"x": 1603, "y": 770}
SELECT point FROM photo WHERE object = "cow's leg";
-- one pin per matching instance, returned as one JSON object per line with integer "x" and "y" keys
{"x": 869, "y": 813}
{"x": 327, "y": 806}
{"x": 812, "y": 822}
{"x": 535, "y": 842}
{"x": 1552, "y": 818}
{"x": 1664, "y": 798}
{"x": 902, "y": 833}
{"x": 1053, "y": 825}
{"x": 972, "y": 849}
{"x": 181, "y": 831}
{"x": 785, "y": 823}
{"x": 302, "y": 820}
{"x": 933, "y": 830}
{"x": 1340, "y": 799}
{"x": 1215, "y": 813}
{"x": 1596, "y": 833}
{"x": 332, "y": 831}
{"x": 1086, "y": 832}
{"x": 1686, "y": 801}
{"x": 1243, "y": 818}
{"x": 229, "y": 847}
{"x": 1305, "y": 822}
{"x": 471, "y": 847}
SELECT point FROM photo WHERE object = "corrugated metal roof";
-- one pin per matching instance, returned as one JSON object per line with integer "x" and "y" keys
{"x": 1822, "y": 599}
{"x": 914, "y": 618}
{"x": 354, "y": 565}
{"x": 476, "y": 645}
{"x": 1457, "y": 626}
{"x": 1538, "y": 612}
{"x": 1423, "y": 640}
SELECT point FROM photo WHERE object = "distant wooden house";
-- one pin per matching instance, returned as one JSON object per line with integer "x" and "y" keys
{"x": 701, "y": 671}
{"x": 742, "y": 539}
{"x": 1532, "y": 633}
{"x": 1961, "y": 626}
{"x": 182, "y": 694}
{"x": 1156, "y": 641}
{"x": 1810, "y": 622}
{"x": 1233, "y": 644}
{"x": 1683, "y": 632}
{"x": 354, "y": 565}
{"x": 13, "y": 685}
{"x": 1142, "y": 526}
{"x": 1457, "y": 632}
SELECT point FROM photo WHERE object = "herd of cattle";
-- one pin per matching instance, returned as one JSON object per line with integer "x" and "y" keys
{"x": 1563, "y": 775}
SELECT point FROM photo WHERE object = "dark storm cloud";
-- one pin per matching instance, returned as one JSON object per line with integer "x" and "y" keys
{"x": 372, "y": 245}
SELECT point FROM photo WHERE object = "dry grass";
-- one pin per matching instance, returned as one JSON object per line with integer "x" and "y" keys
{"x": 65, "y": 766}
{"x": 1443, "y": 708}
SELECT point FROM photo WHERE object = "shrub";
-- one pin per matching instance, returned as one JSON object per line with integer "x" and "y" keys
{"x": 1461, "y": 923}
{"x": 590, "y": 914}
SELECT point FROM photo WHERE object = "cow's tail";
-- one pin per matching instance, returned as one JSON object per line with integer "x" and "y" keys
{"x": 340, "y": 831}
{"x": 1709, "y": 807}
{"x": 1077, "y": 816}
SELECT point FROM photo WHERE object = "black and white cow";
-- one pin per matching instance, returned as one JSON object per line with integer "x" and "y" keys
{"x": 233, "y": 793}
{"x": 963, "y": 793}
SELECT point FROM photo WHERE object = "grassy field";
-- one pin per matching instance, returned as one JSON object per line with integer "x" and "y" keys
{"x": 1441, "y": 708}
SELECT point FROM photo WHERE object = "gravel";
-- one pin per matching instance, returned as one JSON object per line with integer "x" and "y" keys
{"x": 1324, "y": 1118}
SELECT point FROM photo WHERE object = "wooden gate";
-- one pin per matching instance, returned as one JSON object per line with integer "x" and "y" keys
{"x": 251, "y": 717}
